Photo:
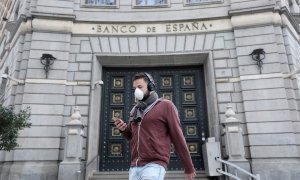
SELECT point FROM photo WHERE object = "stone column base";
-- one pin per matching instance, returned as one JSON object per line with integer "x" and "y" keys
{"x": 244, "y": 164}
{"x": 70, "y": 170}
{"x": 29, "y": 170}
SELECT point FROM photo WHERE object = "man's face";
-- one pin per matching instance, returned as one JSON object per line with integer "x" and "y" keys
{"x": 141, "y": 84}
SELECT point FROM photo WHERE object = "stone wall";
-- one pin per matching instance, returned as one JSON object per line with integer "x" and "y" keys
{"x": 266, "y": 102}
{"x": 125, "y": 11}
{"x": 292, "y": 46}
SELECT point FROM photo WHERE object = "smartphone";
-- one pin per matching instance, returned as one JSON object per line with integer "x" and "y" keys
{"x": 115, "y": 119}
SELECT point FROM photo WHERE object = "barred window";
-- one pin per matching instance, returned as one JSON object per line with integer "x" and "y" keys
{"x": 151, "y": 2}
{"x": 3, "y": 87}
{"x": 293, "y": 6}
{"x": 201, "y": 1}
{"x": 102, "y": 2}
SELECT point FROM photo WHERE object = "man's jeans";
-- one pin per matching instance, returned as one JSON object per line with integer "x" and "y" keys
{"x": 150, "y": 171}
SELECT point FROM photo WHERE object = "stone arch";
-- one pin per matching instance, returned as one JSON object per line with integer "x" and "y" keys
{"x": 141, "y": 51}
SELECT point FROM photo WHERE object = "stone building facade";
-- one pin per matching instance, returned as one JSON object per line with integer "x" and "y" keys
{"x": 93, "y": 40}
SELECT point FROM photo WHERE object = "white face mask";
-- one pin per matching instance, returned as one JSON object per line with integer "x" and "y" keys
{"x": 138, "y": 93}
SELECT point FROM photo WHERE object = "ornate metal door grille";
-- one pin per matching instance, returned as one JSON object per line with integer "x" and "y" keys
{"x": 185, "y": 86}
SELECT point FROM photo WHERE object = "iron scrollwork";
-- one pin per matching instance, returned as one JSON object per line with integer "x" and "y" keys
{"x": 258, "y": 55}
{"x": 47, "y": 60}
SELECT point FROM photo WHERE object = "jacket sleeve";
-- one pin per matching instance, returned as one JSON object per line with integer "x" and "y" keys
{"x": 178, "y": 139}
{"x": 127, "y": 132}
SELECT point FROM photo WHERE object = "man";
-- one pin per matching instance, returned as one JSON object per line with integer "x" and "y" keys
{"x": 153, "y": 125}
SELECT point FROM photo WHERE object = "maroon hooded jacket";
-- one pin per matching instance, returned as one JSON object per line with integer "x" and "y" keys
{"x": 151, "y": 142}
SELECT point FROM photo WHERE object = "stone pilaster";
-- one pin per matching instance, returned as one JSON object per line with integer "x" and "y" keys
{"x": 234, "y": 142}
{"x": 70, "y": 167}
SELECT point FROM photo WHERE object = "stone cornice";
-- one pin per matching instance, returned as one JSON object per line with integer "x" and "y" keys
{"x": 43, "y": 15}
{"x": 237, "y": 12}
{"x": 173, "y": 27}
{"x": 21, "y": 26}
{"x": 52, "y": 25}
{"x": 256, "y": 19}
{"x": 267, "y": 15}
{"x": 62, "y": 23}
{"x": 289, "y": 19}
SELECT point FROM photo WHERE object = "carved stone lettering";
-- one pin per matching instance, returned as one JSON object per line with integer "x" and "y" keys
{"x": 183, "y": 27}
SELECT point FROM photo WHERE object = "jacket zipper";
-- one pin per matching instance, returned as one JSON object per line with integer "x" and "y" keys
{"x": 138, "y": 144}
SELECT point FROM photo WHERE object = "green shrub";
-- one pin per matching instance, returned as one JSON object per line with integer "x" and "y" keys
{"x": 10, "y": 124}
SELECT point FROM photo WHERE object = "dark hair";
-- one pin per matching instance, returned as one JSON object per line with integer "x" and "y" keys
{"x": 140, "y": 76}
{"x": 147, "y": 78}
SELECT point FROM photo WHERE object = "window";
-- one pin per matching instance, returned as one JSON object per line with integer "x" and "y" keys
{"x": 102, "y": 2}
{"x": 197, "y": 2}
{"x": 16, "y": 12}
{"x": 150, "y": 2}
{"x": 3, "y": 43}
{"x": 294, "y": 6}
{"x": 3, "y": 87}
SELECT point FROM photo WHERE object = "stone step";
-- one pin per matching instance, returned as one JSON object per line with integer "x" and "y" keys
{"x": 122, "y": 175}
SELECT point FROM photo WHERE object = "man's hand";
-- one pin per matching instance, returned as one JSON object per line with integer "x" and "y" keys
{"x": 190, "y": 176}
{"x": 120, "y": 124}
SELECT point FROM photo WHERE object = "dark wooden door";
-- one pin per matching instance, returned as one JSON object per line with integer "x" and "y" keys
{"x": 185, "y": 86}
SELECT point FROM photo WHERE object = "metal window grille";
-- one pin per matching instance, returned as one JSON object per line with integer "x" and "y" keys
{"x": 200, "y": 1}
{"x": 151, "y": 2}
{"x": 101, "y": 2}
